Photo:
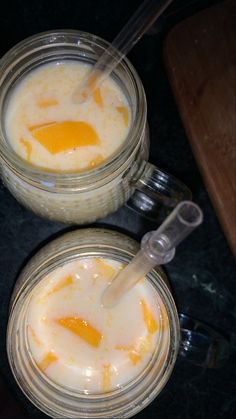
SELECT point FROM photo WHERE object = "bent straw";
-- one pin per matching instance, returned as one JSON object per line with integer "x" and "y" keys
{"x": 157, "y": 248}
{"x": 138, "y": 24}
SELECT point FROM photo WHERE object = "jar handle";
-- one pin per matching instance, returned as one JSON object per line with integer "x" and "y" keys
{"x": 156, "y": 192}
{"x": 201, "y": 345}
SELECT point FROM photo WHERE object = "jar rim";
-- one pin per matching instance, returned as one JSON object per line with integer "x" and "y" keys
{"x": 120, "y": 158}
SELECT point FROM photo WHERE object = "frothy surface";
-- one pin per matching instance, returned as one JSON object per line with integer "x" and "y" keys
{"x": 80, "y": 344}
{"x": 45, "y": 127}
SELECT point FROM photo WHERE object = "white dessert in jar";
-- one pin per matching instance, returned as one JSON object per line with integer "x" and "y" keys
{"x": 81, "y": 183}
{"x": 80, "y": 344}
{"x": 64, "y": 184}
{"x": 71, "y": 356}
{"x": 46, "y": 127}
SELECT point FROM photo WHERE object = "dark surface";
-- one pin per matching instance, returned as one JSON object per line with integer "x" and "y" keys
{"x": 202, "y": 275}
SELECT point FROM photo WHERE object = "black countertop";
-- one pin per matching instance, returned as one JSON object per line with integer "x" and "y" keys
{"x": 202, "y": 275}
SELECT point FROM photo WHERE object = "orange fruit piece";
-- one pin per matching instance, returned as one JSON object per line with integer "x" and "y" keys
{"x": 28, "y": 148}
{"x": 46, "y": 103}
{"x": 134, "y": 357}
{"x": 107, "y": 271}
{"x": 106, "y": 377}
{"x": 63, "y": 136}
{"x": 65, "y": 282}
{"x": 98, "y": 97}
{"x": 47, "y": 361}
{"x": 81, "y": 328}
{"x": 133, "y": 354}
{"x": 148, "y": 317}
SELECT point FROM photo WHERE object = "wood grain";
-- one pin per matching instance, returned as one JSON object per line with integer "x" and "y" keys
{"x": 200, "y": 57}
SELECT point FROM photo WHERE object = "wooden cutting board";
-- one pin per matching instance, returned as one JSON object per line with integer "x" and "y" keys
{"x": 200, "y": 57}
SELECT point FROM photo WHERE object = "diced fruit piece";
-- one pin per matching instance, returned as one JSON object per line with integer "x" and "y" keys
{"x": 63, "y": 136}
{"x": 81, "y": 328}
{"x": 135, "y": 357}
{"x": 65, "y": 282}
{"x": 49, "y": 358}
{"x": 46, "y": 103}
{"x": 107, "y": 271}
{"x": 148, "y": 317}
{"x": 133, "y": 353}
{"x": 106, "y": 377}
{"x": 28, "y": 148}
{"x": 98, "y": 97}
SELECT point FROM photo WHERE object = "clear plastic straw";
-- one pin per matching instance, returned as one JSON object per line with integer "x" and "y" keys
{"x": 138, "y": 24}
{"x": 157, "y": 248}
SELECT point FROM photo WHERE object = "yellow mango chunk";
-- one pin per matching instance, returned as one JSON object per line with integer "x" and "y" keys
{"x": 63, "y": 136}
{"x": 98, "y": 97}
{"x": 46, "y": 103}
{"x": 28, "y": 148}
{"x": 81, "y": 328}
{"x": 65, "y": 282}
{"x": 134, "y": 357}
{"x": 96, "y": 161}
{"x": 47, "y": 361}
{"x": 107, "y": 271}
{"x": 133, "y": 354}
{"x": 106, "y": 377}
{"x": 125, "y": 113}
{"x": 148, "y": 317}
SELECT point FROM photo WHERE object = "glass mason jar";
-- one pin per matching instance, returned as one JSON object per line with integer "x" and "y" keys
{"x": 85, "y": 197}
{"x": 193, "y": 340}
{"x": 60, "y": 401}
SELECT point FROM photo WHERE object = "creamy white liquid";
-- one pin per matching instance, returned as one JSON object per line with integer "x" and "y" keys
{"x": 121, "y": 340}
{"x": 44, "y": 96}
